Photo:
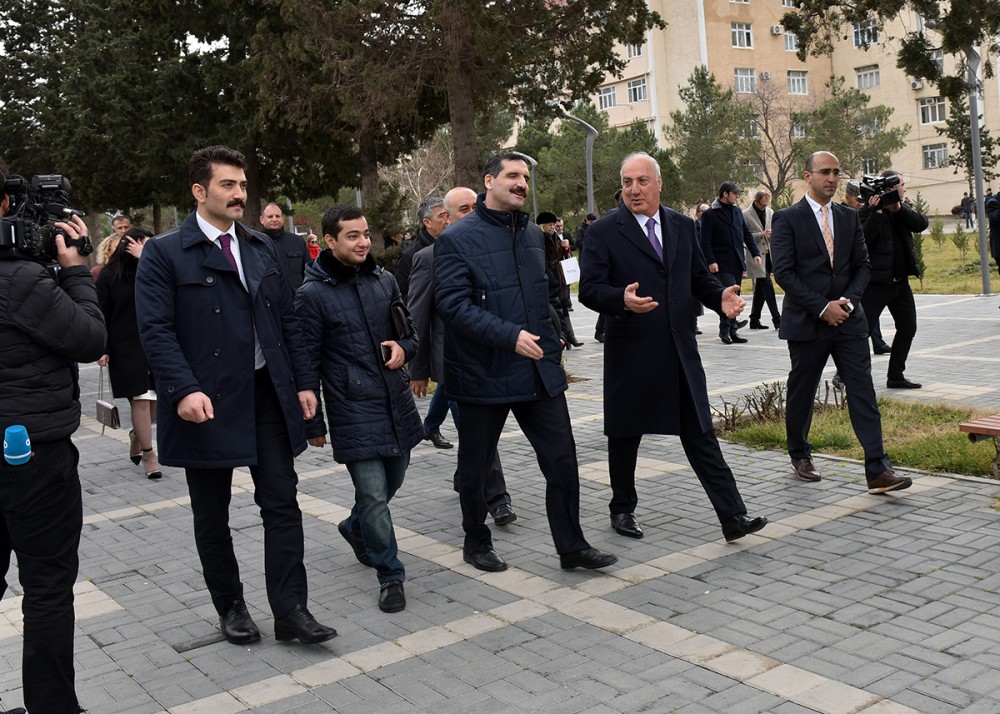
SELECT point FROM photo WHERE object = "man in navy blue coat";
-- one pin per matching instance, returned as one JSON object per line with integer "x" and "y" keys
{"x": 723, "y": 235}
{"x": 642, "y": 269}
{"x": 502, "y": 355}
{"x": 218, "y": 326}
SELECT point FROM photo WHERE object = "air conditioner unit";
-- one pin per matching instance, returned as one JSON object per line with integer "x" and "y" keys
{"x": 776, "y": 29}
{"x": 917, "y": 84}
{"x": 764, "y": 76}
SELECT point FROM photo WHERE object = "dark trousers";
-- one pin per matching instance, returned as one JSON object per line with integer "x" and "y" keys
{"x": 763, "y": 291}
{"x": 41, "y": 516}
{"x": 437, "y": 410}
{"x": 898, "y": 297}
{"x": 546, "y": 424}
{"x": 703, "y": 453}
{"x": 599, "y": 327}
{"x": 854, "y": 364}
{"x": 275, "y": 492}
{"x": 495, "y": 485}
{"x": 727, "y": 279}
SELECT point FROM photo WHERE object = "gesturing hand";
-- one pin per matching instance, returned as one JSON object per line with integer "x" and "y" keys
{"x": 635, "y": 303}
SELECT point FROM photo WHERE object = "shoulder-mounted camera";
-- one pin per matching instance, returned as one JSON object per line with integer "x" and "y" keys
{"x": 881, "y": 186}
{"x": 26, "y": 231}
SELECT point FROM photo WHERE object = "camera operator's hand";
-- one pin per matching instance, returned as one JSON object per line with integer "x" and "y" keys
{"x": 874, "y": 202}
{"x": 70, "y": 256}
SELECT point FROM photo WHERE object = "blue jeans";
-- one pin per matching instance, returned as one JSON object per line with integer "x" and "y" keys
{"x": 437, "y": 410}
{"x": 375, "y": 483}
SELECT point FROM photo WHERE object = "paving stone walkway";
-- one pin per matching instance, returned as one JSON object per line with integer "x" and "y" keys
{"x": 845, "y": 603}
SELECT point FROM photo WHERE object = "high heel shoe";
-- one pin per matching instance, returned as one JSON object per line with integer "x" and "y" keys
{"x": 134, "y": 448}
{"x": 156, "y": 473}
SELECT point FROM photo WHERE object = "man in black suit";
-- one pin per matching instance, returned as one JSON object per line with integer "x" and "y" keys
{"x": 820, "y": 260}
{"x": 723, "y": 235}
{"x": 653, "y": 379}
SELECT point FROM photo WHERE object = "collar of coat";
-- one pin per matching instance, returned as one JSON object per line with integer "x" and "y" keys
{"x": 335, "y": 269}
{"x": 517, "y": 220}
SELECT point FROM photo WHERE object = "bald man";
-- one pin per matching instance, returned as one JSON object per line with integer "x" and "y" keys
{"x": 291, "y": 248}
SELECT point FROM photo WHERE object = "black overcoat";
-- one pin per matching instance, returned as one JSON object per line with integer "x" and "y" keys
{"x": 646, "y": 354}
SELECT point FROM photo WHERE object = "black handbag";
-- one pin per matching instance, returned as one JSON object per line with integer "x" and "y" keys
{"x": 107, "y": 412}
{"x": 402, "y": 323}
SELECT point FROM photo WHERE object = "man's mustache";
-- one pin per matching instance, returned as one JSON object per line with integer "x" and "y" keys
{"x": 236, "y": 202}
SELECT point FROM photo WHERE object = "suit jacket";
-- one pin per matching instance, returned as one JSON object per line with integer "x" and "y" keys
{"x": 197, "y": 321}
{"x": 763, "y": 242}
{"x": 724, "y": 234}
{"x": 429, "y": 360}
{"x": 647, "y": 354}
{"x": 802, "y": 268}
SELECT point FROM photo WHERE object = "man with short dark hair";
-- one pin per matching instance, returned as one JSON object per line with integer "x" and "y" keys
{"x": 218, "y": 325}
{"x": 290, "y": 247}
{"x": 724, "y": 234}
{"x": 433, "y": 219}
{"x": 49, "y": 321}
{"x": 502, "y": 355}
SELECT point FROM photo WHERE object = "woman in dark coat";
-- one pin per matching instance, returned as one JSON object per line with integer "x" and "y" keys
{"x": 131, "y": 376}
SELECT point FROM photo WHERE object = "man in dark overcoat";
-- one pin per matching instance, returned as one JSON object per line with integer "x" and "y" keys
{"x": 218, "y": 325}
{"x": 643, "y": 266}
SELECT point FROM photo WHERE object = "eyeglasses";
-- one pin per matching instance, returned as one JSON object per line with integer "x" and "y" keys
{"x": 827, "y": 172}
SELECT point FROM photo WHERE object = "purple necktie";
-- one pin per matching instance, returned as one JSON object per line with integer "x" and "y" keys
{"x": 226, "y": 240}
{"x": 651, "y": 233}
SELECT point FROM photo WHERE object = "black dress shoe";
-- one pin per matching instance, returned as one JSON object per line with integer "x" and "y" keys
{"x": 599, "y": 336}
{"x": 237, "y": 625}
{"x": 902, "y": 383}
{"x": 576, "y": 344}
{"x": 391, "y": 597}
{"x": 301, "y": 625}
{"x": 804, "y": 469}
{"x": 359, "y": 549}
{"x": 734, "y": 336}
{"x": 489, "y": 561}
{"x": 740, "y": 324}
{"x": 589, "y": 558}
{"x": 882, "y": 349}
{"x": 741, "y": 525}
{"x": 758, "y": 325}
{"x": 724, "y": 335}
{"x": 625, "y": 524}
{"x": 504, "y": 515}
{"x": 439, "y": 441}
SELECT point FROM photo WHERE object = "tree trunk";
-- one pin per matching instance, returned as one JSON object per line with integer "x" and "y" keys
{"x": 371, "y": 193}
{"x": 252, "y": 211}
{"x": 459, "y": 80}
{"x": 157, "y": 218}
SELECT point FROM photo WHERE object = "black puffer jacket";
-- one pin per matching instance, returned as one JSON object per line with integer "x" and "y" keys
{"x": 490, "y": 283}
{"x": 344, "y": 315}
{"x": 47, "y": 325}
{"x": 890, "y": 236}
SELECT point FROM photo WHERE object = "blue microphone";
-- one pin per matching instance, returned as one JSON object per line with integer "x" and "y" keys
{"x": 16, "y": 445}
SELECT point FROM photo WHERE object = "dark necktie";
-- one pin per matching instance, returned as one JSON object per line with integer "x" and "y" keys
{"x": 651, "y": 234}
{"x": 226, "y": 240}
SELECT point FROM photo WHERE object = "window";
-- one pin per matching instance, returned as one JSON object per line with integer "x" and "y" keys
{"x": 868, "y": 76}
{"x": 865, "y": 33}
{"x": 797, "y": 82}
{"x": 869, "y": 166}
{"x": 935, "y": 156}
{"x": 741, "y": 2}
{"x": 798, "y": 131}
{"x": 637, "y": 90}
{"x": 788, "y": 3}
{"x": 791, "y": 42}
{"x": 937, "y": 57}
{"x": 753, "y": 128}
{"x": 607, "y": 97}
{"x": 931, "y": 110}
{"x": 746, "y": 80}
{"x": 742, "y": 34}
{"x": 919, "y": 23}
{"x": 634, "y": 51}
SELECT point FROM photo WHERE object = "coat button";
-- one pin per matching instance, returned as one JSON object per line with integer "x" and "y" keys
{"x": 216, "y": 352}
{"x": 216, "y": 309}
{"x": 268, "y": 303}
{"x": 209, "y": 280}
{"x": 170, "y": 390}
{"x": 357, "y": 381}
{"x": 395, "y": 451}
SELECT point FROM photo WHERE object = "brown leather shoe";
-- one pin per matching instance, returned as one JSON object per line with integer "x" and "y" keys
{"x": 888, "y": 481}
{"x": 804, "y": 469}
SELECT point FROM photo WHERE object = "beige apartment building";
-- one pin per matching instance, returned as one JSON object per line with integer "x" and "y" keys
{"x": 743, "y": 44}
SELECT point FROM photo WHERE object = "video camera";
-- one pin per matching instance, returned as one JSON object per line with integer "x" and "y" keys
{"x": 25, "y": 231}
{"x": 882, "y": 187}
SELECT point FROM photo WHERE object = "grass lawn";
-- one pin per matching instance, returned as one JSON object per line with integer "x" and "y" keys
{"x": 916, "y": 435}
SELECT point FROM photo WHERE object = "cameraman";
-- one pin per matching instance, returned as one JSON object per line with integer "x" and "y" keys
{"x": 889, "y": 228}
{"x": 47, "y": 324}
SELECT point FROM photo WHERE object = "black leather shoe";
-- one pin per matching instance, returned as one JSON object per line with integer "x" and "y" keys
{"x": 625, "y": 524}
{"x": 577, "y": 344}
{"x": 391, "y": 597}
{"x": 803, "y": 468}
{"x": 359, "y": 550}
{"x": 237, "y": 625}
{"x": 724, "y": 335}
{"x": 882, "y": 349}
{"x": 903, "y": 383}
{"x": 439, "y": 441}
{"x": 740, "y": 324}
{"x": 734, "y": 336}
{"x": 301, "y": 625}
{"x": 741, "y": 525}
{"x": 758, "y": 325}
{"x": 599, "y": 336}
{"x": 504, "y": 515}
{"x": 589, "y": 558}
{"x": 489, "y": 561}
